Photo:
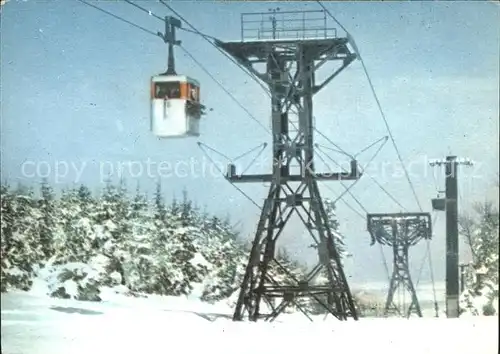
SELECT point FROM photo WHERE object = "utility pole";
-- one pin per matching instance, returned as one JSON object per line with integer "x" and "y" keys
{"x": 450, "y": 205}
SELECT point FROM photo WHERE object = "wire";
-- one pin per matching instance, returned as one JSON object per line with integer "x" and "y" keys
{"x": 384, "y": 138}
{"x": 206, "y": 37}
{"x": 195, "y": 30}
{"x": 384, "y": 260}
{"x": 163, "y": 19}
{"x": 224, "y": 89}
{"x": 263, "y": 146}
{"x": 431, "y": 267}
{"x": 224, "y": 175}
{"x": 361, "y": 170}
{"x": 379, "y": 108}
{"x": 371, "y": 177}
{"x": 194, "y": 59}
{"x": 212, "y": 149}
{"x": 145, "y": 10}
{"x": 333, "y": 17}
{"x": 120, "y": 18}
{"x": 198, "y": 33}
{"x": 390, "y": 135}
{"x": 436, "y": 184}
{"x": 428, "y": 256}
{"x": 208, "y": 72}
{"x": 184, "y": 49}
{"x": 254, "y": 159}
{"x": 205, "y": 70}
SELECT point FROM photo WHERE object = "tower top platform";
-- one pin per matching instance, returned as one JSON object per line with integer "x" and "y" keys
{"x": 283, "y": 32}
{"x": 286, "y": 25}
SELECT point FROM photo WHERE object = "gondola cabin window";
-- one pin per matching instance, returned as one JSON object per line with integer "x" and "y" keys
{"x": 167, "y": 90}
{"x": 175, "y": 107}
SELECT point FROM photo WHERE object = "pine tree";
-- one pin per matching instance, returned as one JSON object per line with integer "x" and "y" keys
{"x": 48, "y": 221}
{"x": 218, "y": 245}
{"x": 482, "y": 234}
{"x": 76, "y": 223}
{"x": 333, "y": 225}
{"x": 153, "y": 248}
{"x": 185, "y": 245}
{"x": 111, "y": 229}
{"x": 24, "y": 255}
{"x": 186, "y": 210}
{"x": 162, "y": 274}
{"x": 6, "y": 228}
{"x": 139, "y": 259}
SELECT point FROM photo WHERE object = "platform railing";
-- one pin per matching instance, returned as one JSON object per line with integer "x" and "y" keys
{"x": 285, "y": 25}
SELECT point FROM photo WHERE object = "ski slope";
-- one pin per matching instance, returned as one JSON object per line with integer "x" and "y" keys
{"x": 35, "y": 324}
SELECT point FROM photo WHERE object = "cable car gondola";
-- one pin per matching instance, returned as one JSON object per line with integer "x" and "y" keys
{"x": 175, "y": 106}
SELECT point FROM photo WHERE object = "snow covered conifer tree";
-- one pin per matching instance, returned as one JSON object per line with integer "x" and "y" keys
{"x": 6, "y": 230}
{"x": 333, "y": 225}
{"x": 85, "y": 199}
{"x": 111, "y": 230}
{"x": 161, "y": 273}
{"x": 24, "y": 255}
{"x": 108, "y": 215}
{"x": 48, "y": 221}
{"x": 185, "y": 246}
{"x": 139, "y": 259}
{"x": 75, "y": 244}
{"x": 220, "y": 248}
{"x": 186, "y": 210}
{"x": 481, "y": 294}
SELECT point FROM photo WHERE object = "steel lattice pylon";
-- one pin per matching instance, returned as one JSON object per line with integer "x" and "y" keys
{"x": 400, "y": 231}
{"x": 290, "y": 67}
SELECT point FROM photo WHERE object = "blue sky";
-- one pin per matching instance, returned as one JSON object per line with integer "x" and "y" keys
{"x": 75, "y": 94}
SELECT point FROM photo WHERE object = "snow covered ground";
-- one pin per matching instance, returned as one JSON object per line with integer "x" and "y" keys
{"x": 35, "y": 324}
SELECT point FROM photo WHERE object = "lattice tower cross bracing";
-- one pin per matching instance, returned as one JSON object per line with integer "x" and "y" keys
{"x": 400, "y": 231}
{"x": 290, "y": 68}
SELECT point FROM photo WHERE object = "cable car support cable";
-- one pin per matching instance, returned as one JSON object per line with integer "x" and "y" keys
{"x": 195, "y": 30}
{"x": 119, "y": 18}
{"x": 189, "y": 54}
{"x": 192, "y": 57}
{"x": 254, "y": 118}
{"x": 243, "y": 68}
{"x": 224, "y": 89}
{"x": 428, "y": 256}
{"x": 149, "y": 12}
{"x": 375, "y": 96}
{"x": 384, "y": 260}
{"x": 427, "y": 252}
{"x": 388, "y": 130}
{"x": 360, "y": 168}
{"x": 347, "y": 190}
{"x": 374, "y": 179}
{"x": 201, "y": 145}
{"x": 261, "y": 146}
